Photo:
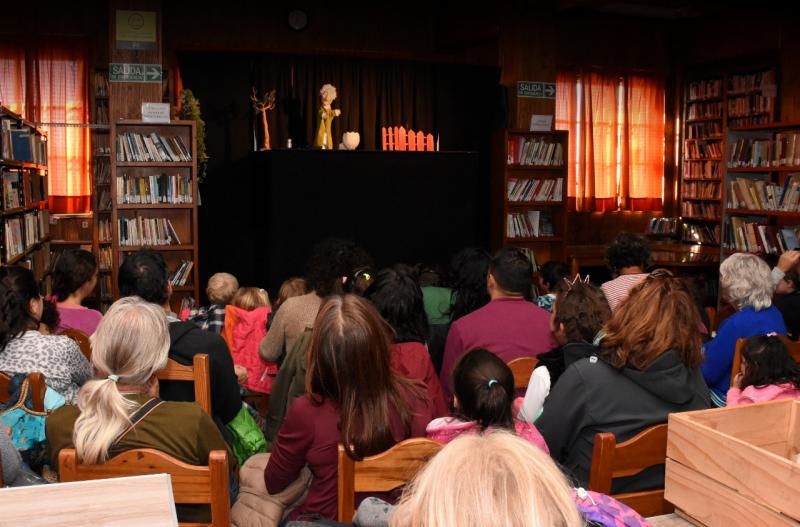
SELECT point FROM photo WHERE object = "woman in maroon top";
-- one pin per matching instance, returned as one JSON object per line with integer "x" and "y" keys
{"x": 396, "y": 295}
{"x": 353, "y": 397}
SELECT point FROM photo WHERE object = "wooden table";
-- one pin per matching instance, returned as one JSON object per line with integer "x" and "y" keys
{"x": 669, "y": 520}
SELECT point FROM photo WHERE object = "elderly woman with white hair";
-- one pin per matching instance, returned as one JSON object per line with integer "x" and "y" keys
{"x": 746, "y": 283}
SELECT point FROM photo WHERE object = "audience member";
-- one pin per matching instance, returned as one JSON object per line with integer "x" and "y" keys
{"x": 130, "y": 345}
{"x": 552, "y": 279}
{"x": 628, "y": 257}
{"x": 768, "y": 373}
{"x": 510, "y": 326}
{"x": 250, "y": 298}
{"x": 144, "y": 274}
{"x": 354, "y": 398}
{"x": 247, "y": 319}
{"x": 15, "y": 472}
{"x": 647, "y": 368}
{"x": 483, "y": 389}
{"x": 578, "y": 316}
{"x": 788, "y": 261}
{"x": 24, "y": 348}
{"x": 746, "y": 283}
{"x": 787, "y": 300}
{"x": 398, "y": 298}
{"x": 220, "y": 290}
{"x": 489, "y": 479}
{"x": 74, "y": 279}
{"x": 468, "y": 269}
{"x": 290, "y": 288}
{"x": 332, "y": 262}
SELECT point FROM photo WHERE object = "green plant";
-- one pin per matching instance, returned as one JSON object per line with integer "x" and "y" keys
{"x": 190, "y": 110}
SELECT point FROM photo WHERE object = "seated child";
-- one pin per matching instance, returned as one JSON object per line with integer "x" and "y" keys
{"x": 551, "y": 280}
{"x": 768, "y": 372}
{"x": 245, "y": 326}
{"x": 483, "y": 387}
{"x": 220, "y": 291}
{"x": 578, "y": 315}
{"x": 290, "y": 288}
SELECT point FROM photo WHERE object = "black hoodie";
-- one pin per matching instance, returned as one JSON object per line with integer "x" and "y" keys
{"x": 592, "y": 396}
{"x": 187, "y": 340}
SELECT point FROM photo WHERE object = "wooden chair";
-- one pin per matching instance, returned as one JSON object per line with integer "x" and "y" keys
{"x": 199, "y": 373}
{"x": 381, "y": 473}
{"x": 190, "y": 484}
{"x": 611, "y": 460}
{"x": 36, "y": 385}
{"x": 792, "y": 345}
{"x": 522, "y": 369}
{"x": 82, "y": 339}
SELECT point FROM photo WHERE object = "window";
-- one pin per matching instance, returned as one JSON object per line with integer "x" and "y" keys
{"x": 616, "y": 143}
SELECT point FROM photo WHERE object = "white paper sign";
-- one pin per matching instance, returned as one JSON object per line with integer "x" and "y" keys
{"x": 155, "y": 112}
{"x": 541, "y": 123}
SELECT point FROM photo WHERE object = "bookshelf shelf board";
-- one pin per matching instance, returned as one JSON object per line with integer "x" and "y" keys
{"x": 699, "y": 218}
{"x": 534, "y": 167}
{"x": 71, "y": 242}
{"x": 746, "y": 115}
{"x": 707, "y": 138}
{"x": 702, "y": 179}
{"x": 703, "y": 159}
{"x": 186, "y": 164}
{"x": 141, "y": 206}
{"x": 764, "y": 169}
{"x": 703, "y": 120}
{"x": 19, "y": 210}
{"x": 765, "y": 126}
{"x": 21, "y": 164}
{"x": 522, "y": 131}
{"x": 778, "y": 213}
{"x": 704, "y": 99}
{"x": 536, "y": 203}
{"x": 742, "y": 93}
{"x": 182, "y": 289}
{"x": 734, "y": 251}
{"x": 685, "y": 198}
{"x": 540, "y": 239}
{"x": 134, "y": 248}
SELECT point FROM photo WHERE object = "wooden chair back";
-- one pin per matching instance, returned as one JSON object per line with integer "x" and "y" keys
{"x": 711, "y": 313}
{"x": 35, "y": 384}
{"x": 522, "y": 369}
{"x": 81, "y": 339}
{"x": 199, "y": 373}
{"x": 382, "y": 472}
{"x": 611, "y": 460}
{"x": 792, "y": 345}
{"x": 191, "y": 484}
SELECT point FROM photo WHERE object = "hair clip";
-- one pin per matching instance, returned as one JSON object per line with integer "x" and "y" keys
{"x": 113, "y": 378}
{"x": 492, "y": 382}
{"x": 576, "y": 280}
{"x": 772, "y": 334}
{"x": 344, "y": 279}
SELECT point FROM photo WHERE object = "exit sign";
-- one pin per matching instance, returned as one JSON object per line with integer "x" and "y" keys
{"x": 536, "y": 89}
{"x": 123, "y": 72}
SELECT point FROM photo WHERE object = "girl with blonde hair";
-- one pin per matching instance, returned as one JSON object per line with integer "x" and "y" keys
{"x": 495, "y": 479}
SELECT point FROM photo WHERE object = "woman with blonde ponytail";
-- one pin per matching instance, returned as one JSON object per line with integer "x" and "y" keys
{"x": 120, "y": 410}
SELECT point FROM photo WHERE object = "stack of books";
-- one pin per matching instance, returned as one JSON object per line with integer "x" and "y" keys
{"x": 151, "y": 148}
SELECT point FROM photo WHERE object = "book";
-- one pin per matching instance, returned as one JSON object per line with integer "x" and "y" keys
{"x": 181, "y": 274}
{"x": 533, "y": 224}
{"x": 139, "y": 231}
{"x": 152, "y": 148}
{"x": 13, "y": 197}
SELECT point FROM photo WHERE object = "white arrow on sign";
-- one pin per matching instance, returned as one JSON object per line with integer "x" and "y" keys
{"x": 152, "y": 73}
{"x": 550, "y": 90}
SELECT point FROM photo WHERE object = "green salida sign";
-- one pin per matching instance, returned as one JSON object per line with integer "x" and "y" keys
{"x": 536, "y": 89}
{"x": 123, "y": 72}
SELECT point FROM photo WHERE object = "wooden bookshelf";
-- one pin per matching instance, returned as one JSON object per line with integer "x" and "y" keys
{"x": 182, "y": 216}
{"x": 714, "y": 102}
{"x": 775, "y": 141}
{"x": 25, "y": 223}
{"x": 507, "y": 170}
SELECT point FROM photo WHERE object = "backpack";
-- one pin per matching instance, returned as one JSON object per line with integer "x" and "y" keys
{"x": 26, "y": 424}
{"x": 601, "y": 510}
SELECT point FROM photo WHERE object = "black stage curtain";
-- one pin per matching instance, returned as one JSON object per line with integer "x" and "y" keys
{"x": 459, "y": 103}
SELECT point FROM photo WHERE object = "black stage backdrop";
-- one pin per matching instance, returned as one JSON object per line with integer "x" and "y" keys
{"x": 460, "y": 104}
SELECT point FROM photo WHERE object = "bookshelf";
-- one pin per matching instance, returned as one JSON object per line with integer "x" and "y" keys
{"x": 713, "y": 103}
{"x": 24, "y": 215}
{"x": 530, "y": 193}
{"x": 101, "y": 185}
{"x": 762, "y": 189}
{"x": 154, "y": 202}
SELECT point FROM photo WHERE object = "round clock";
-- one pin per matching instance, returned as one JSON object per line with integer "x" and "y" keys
{"x": 298, "y": 20}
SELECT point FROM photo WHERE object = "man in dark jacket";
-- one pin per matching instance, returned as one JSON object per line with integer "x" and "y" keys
{"x": 145, "y": 274}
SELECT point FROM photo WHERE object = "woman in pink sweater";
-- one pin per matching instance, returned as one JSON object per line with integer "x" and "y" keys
{"x": 483, "y": 397}
{"x": 768, "y": 373}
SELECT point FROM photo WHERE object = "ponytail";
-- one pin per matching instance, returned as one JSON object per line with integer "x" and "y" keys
{"x": 493, "y": 404}
{"x": 104, "y": 416}
{"x": 484, "y": 386}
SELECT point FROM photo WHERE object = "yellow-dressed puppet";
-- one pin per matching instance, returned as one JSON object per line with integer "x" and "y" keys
{"x": 325, "y": 116}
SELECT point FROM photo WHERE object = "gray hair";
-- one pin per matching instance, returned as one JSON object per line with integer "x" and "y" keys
{"x": 747, "y": 281}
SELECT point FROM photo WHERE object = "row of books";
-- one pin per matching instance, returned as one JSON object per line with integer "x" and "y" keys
{"x": 101, "y": 112}
{"x": 100, "y": 144}
{"x": 705, "y": 110}
{"x": 759, "y": 194}
{"x": 105, "y": 286}
{"x": 19, "y": 142}
{"x": 664, "y": 226}
{"x": 751, "y": 153}
{"x": 703, "y": 130}
{"x": 786, "y": 149}
{"x": 13, "y": 194}
{"x": 536, "y": 151}
{"x": 701, "y": 190}
{"x": 100, "y": 83}
{"x": 104, "y": 231}
{"x": 102, "y": 171}
{"x": 23, "y": 232}
{"x": 146, "y": 231}
{"x": 734, "y": 122}
{"x": 161, "y": 188}
{"x": 151, "y": 148}
{"x": 705, "y": 89}
{"x": 700, "y": 210}
{"x": 741, "y": 84}
{"x": 535, "y": 189}
{"x": 181, "y": 275}
{"x": 695, "y": 169}
{"x": 701, "y": 234}
{"x": 750, "y": 104}
{"x": 104, "y": 260}
{"x": 533, "y": 224}
{"x": 703, "y": 149}
{"x": 753, "y": 236}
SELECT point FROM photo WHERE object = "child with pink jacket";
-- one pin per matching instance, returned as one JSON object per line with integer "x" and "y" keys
{"x": 768, "y": 372}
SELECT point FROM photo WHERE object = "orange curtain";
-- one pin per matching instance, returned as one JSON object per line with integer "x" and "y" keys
{"x": 48, "y": 82}
{"x": 616, "y": 135}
